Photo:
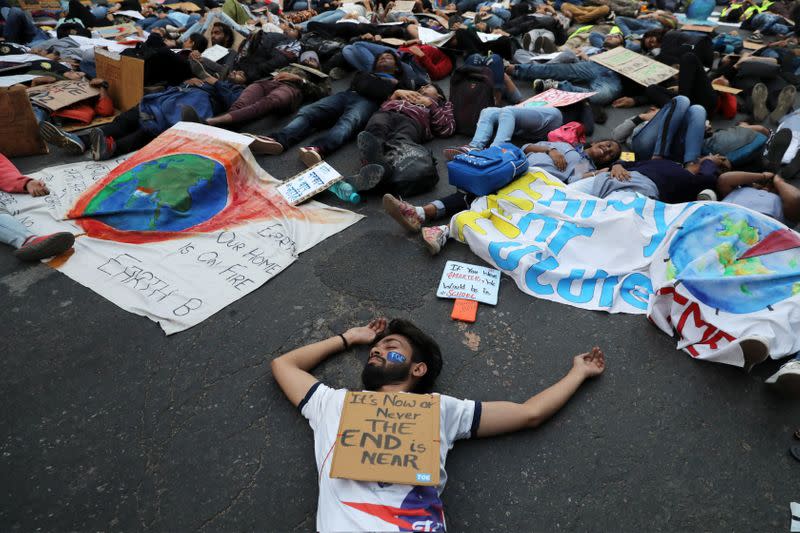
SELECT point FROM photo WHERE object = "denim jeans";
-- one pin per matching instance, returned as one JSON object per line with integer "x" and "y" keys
{"x": 347, "y": 112}
{"x": 628, "y": 25}
{"x": 533, "y": 122}
{"x": 604, "y": 82}
{"x": 151, "y": 23}
{"x": 770, "y": 24}
{"x": 325, "y": 16}
{"x": 676, "y": 132}
{"x": 493, "y": 61}
{"x": 19, "y": 27}
{"x": 12, "y": 232}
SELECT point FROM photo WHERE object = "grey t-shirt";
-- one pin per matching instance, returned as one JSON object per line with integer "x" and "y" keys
{"x": 577, "y": 162}
{"x": 764, "y": 202}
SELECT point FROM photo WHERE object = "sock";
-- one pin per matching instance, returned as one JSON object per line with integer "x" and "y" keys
{"x": 420, "y": 213}
{"x": 439, "y": 208}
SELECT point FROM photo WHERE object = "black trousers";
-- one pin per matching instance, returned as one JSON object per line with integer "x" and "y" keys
{"x": 692, "y": 83}
{"x": 390, "y": 126}
{"x": 127, "y": 132}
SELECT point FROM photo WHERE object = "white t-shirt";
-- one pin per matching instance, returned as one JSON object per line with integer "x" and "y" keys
{"x": 347, "y": 505}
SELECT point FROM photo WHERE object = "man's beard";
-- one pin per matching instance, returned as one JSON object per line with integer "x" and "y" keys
{"x": 376, "y": 376}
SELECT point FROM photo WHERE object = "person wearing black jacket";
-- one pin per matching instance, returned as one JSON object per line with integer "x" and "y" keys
{"x": 347, "y": 112}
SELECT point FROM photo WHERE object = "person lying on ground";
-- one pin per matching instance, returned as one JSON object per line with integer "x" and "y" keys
{"x": 28, "y": 247}
{"x": 348, "y": 110}
{"x": 402, "y": 358}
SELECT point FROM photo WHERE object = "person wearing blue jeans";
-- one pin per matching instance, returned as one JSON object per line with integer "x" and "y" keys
{"x": 533, "y": 123}
{"x": 19, "y": 28}
{"x": 769, "y": 24}
{"x": 629, "y": 25}
{"x": 676, "y": 132}
{"x": 595, "y": 78}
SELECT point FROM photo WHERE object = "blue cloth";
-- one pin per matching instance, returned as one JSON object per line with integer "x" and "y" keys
{"x": 12, "y": 232}
{"x": 347, "y": 110}
{"x": 578, "y": 163}
{"x": 534, "y": 123}
{"x": 593, "y": 77}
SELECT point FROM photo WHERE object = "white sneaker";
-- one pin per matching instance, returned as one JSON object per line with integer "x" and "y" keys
{"x": 707, "y": 195}
{"x": 787, "y": 378}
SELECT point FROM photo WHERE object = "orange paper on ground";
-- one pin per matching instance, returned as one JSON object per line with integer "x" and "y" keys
{"x": 389, "y": 438}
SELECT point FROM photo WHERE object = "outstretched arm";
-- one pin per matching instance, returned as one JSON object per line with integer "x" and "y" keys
{"x": 504, "y": 417}
{"x": 292, "y": 370}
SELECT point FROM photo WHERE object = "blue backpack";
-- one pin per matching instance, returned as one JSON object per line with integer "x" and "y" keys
{"x": 483, "y": 172}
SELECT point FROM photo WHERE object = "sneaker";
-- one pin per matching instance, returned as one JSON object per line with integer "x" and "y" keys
{"x": 37, "y": 248}
{"x": 435, "y": 238}
{"x": 403, "y": 212}
{"x": 189, "y": 114}
{"x": 707, "y": 195}
{"x": 756, "y": 37}
{"x": 370, "y": 147}
{"x": 540, "y": 86}
{"x": 310, "y": 155}
{"x": 755, "y": 350}
{"x": 787, "y": 378}
{"x": 54, "y": 135}
{"x": 451, "y": 153}
{"x": 102, "y": 147}
{"x": 759, "y": 98}
{"x": 368, "y": 177}
{"x": 777, "y": 147}
{"x": 785, "y": 103}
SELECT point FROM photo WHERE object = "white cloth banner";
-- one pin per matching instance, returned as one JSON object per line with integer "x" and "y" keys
{"x": 715, "y": 273}
{"x": 179, "y": 230}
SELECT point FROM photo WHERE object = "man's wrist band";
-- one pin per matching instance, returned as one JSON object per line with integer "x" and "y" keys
{"x": 346, "y": 344}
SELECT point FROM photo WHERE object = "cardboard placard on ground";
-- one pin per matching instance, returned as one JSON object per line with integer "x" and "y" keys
{"x": 749, "y": 45}
{"x": 389, "y": 438}
{"x": 639, "y": 68}
{"x": 33, "y": 5}
{"x": 403, "y": 6}
{"x": 393, "y": 41}
{"x": 98, "y": 121}
{"x": 696, "y": 27}
{"x": 555, "y": 98}
{"x": 19, "y": 129}
{"x": 115, "y": 32}
{"x": 215, "y": 53}
{"x": 725, "y": 89}
{"x": 186, "y": 6}
{"x": 309, "y": 182}
{"x": 312, "y": 70}
{"x": 125, "y": 76}
{"x": 58, "y": 95}
{"x": 464, "y": 281}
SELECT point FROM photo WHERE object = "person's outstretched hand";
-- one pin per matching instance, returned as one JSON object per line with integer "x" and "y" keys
{"x": 366, "y": 334}
{"x": 590, "y": 364}
{"x": 37, "y": 188}
{"x": 618, "y": 172}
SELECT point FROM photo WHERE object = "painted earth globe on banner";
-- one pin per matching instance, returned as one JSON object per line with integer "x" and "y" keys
{"x": 170, "y": 193}
{"x": 735, "y": 260}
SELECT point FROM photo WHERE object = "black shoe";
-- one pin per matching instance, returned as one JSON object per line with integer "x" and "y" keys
{"x": 189, "y": 114}
{"x": 370, "y": 147}
{"x": 777, "y": 147}
{"x": 600, "y": 116}
{"x": 369, "y": 177}
{"x": 792, "y": 170}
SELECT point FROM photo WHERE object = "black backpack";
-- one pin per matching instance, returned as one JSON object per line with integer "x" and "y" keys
{"x": 471, "y": 91}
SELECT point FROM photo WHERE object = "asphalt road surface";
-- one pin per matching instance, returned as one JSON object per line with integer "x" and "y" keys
{"x": 109, "y": 425}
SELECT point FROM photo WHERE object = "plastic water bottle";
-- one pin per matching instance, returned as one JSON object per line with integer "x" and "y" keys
{"x": 344, "y": 191}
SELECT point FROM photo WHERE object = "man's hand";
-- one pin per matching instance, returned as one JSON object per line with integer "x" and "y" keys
{"x": 286, "y": 76}
{"x": 590, "y": 364}
{"x": 196, "y": 82}
{"x": 96, "y": 82}
{"x": 649, "y": 114}
{"x": 37, "y": 188}
{"x": 365, "y": 334}
{"x": 625, "y": 101}
{"x": 558, "y": 158}
{"x": 619, "y": 173}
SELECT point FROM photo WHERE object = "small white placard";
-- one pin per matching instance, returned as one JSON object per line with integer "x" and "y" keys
{"x": 464, "y": 281}
{"x": 309, "y": 182}
{"x": 215, "y": 53}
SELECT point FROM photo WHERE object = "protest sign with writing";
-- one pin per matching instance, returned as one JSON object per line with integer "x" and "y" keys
{"x": 469, "y": 282}
{"x": 641, "y": 69}
{"x": 388, "y": 437}
{"x": 555, "y": 98}
{"x": 309, "y": 182}
{"x": 55, "y": 96}
{"x": 403, "y": 6}
{"x": 114, "y": 32}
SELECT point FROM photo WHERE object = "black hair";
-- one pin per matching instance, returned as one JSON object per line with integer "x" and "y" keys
{"x": 199, "y": 41}
{"x": 227, "y": 31}
{"x": 439, "y": 91}
{"x": 657, "y": 33}
{"x": 398, "y": 69}
{"x": 425, "y": 350}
